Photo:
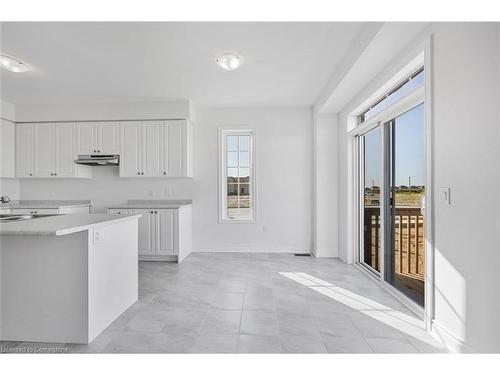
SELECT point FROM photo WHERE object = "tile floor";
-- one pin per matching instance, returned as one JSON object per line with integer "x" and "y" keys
{"x": 256, "y": 303}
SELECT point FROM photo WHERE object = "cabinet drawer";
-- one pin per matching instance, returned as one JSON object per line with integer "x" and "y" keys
{"x": 119, "y": 211}
{"x": 45, "y": 211}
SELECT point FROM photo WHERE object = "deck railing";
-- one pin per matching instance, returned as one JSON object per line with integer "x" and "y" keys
{"x": 409, "y": 240}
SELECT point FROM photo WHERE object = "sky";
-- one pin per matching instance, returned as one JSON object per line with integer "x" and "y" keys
{"x": 409, "y": 150}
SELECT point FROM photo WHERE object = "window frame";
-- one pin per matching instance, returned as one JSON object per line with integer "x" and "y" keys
{"x": 222, "y": 174}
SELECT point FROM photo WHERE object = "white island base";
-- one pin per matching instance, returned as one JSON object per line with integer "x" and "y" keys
{"x": 67, "y": 287}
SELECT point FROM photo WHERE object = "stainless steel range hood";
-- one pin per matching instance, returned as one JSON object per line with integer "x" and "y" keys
{"x": 98, "y": 160}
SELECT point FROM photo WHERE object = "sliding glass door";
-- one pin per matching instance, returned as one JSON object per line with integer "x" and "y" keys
{"x": 405, "y": 255}
{"x": 392, "y": 201}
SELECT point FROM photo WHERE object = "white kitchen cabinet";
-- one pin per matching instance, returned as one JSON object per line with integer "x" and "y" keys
{"x": 161, "y": 235}
{"x": 166, "y": 229}
{"x": 5, "y": 211}
{"x": 7, "y": 149}
{"x": 50, "y": 211}
{"x": 130, "y": 149}
{"x": 98, "y": 138}
{"x": 48, "y": 150}
{"x": 44, "y": 141}
{"x": 147, "y": 231}
{"x": 156, "y": 148}
{"x": 151, "y": 148}
{"x": 25, "y": 162}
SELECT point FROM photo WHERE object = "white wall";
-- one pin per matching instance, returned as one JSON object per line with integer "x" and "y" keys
{"x": 466, "y": 158}
{"x": 284, "y": 183}
{"x": 326, "y": 185}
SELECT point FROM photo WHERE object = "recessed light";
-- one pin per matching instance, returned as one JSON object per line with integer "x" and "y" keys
{"x": 13, "y": 64}
{"x": 228, "y": 61}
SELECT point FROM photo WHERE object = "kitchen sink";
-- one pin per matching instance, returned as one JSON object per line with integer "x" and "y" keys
{"x": 19, "y": 217}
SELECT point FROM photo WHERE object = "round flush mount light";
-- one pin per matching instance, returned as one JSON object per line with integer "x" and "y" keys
{"x": 228, "y": 61}
{"x": 13, "y": 64}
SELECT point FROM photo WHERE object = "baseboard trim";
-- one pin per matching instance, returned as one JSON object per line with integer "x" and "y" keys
{"x": 238, "y": 248}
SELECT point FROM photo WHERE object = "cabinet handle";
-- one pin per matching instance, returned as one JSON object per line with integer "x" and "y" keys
{"x": 156, "y": 212}
{"x": 152, "y": 212}
{"x": 55, "y": 174}
{"x": 142, "y": 173}
{"x": 164, "y": 172}
{"x": 139, "y": 173}
{"x": 31, "y": 174}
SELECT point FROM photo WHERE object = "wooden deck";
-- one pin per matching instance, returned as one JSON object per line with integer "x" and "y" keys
{"x": 409, "y": 248}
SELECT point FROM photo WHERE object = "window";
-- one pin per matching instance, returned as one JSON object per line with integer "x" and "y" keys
{"x": 402, "y": 90}
{"x": 236, "y": 189}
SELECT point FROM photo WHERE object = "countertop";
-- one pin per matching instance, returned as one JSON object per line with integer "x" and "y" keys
{"x": 46, "y": 203}
{"x": 61, "y": 224}
{"x": 158, "y": 203}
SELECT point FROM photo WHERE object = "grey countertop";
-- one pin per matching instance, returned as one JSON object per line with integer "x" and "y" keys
{"x": 46, "y": 203}
{"x": 61, "y": 224}
{"x": 154, "y": 203}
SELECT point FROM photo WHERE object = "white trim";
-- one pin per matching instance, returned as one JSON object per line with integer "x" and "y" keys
{"x": 223, "y": 131}
{"x": 423, "y": 94}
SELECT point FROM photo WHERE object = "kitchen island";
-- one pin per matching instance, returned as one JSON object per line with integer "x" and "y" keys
{"x": 65, "y": 278}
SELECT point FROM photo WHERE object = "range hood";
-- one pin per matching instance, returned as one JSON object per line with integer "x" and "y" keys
{"x": 98, "y": 160}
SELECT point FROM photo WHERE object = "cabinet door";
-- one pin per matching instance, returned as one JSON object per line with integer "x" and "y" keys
{"x": 44, "y": 150}
{"x": 119, "y": 211}
{"x": 24, "y": 150}
{"x": 166, "y": 229}
{"x": 151, "y": 148}
{"x": 130, "y": 149}
{"x": 7, "y": 149}
{"x": 86, "y": 138}
{"x": 65, "y": 143}
{"x": 108, "y": 138}
{"x": 176, "y": 147}
{"x": 147, "y": 232}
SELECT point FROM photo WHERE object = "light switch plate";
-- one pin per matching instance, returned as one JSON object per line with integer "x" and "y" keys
{"x": 444, "y": 193}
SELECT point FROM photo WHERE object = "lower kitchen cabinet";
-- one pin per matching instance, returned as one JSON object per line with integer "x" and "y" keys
{"x": 164, "y": 233}
{"x": 50, "y": 211}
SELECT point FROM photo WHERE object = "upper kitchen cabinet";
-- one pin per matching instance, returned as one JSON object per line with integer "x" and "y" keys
{"x": 98, "y": 138}
{"x": 48, "y": 150}
{"x": 7, "y": 149}
{"x": 159, "y": 148}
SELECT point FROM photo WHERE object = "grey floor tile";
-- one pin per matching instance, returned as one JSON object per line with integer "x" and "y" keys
{"x": 231, "y": 286}
{"x": 259, "y": 323}
{"x": 184, "y": 321}
{"x": 259, "y": 344}
{"x": 297, "y": 324}
{"x": 259, "y": 301}
{"x": 139, "y": 342}
{"x": 228, "y": 301}
{"x": 382, "y": 345}
{"x": 301, "y": 344}
{"x": 148, "y": 321}
{"x": 215, "y": 344}
{"x": 347, "y": 345}
{"x": 221, "y": 322}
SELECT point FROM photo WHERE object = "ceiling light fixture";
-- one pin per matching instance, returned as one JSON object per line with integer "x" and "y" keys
{"x": 228, "y": 61}
{"x": 13, "y": 64}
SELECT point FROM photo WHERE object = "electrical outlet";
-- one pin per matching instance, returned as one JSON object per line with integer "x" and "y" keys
{"x": 98, "y": 237}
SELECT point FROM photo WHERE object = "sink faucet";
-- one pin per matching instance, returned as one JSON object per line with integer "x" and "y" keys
{"x": 5, "y": 199}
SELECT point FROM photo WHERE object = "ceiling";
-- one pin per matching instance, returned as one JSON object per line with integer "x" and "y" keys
{"x": 284, "y": 64}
